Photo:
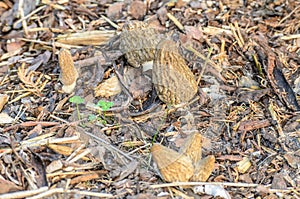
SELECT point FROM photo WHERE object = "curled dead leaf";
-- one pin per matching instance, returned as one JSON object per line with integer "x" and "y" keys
{"x": 69, "y": 74}
{"x": 108, "y": 88}
{"x": 173, "y": 166}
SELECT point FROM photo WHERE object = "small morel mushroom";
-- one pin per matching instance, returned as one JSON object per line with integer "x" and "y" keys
{"x": 173, "y": 166}
{"x": 138, "y": 42}
{"x": 173, "y": 80}
{"x": 185, "y": 165}
{"x": 68, "y": 74}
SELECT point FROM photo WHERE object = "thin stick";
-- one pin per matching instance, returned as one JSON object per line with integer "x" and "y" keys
{"x": 23, "y": 194}
{"x": 110, "y": 22}
{"x": 284, "y": 18}
{"x": 229, "y": 184}
{"x": 175, "y": 21}
{"x": 29, "y": 15}
{"x": 109, "y": 146}
{"x": 204, "y": 67}
{"x": 64, "y": 191}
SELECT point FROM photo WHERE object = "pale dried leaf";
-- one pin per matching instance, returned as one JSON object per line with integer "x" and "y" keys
{"x": 5, "y": 118}
{"x": 3, "y": 101}
{"x": 243, "y": 165}
{"x": 54, "y": 166}
{"x": 96, "y": 37}
{"x": 109, "y": 87}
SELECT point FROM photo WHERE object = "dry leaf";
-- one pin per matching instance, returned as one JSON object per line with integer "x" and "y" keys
{"x": 243, "y": 165}
{"x": 193, "y": 147}
{"x": 108, "y": 88}
{"x": 203, "y": 169}
{"x": 173, "y": 166}
{"x": 213, "y": 190}
{"x": 3, "y": 101}
{"x": 31, "y": 79}
{"x": 64, "y": 150}
{"x": 5, "y": 119}
{"x": 8, "y": 186}
{"x": 54, "y": 166}
{"x": 68, "y": 73}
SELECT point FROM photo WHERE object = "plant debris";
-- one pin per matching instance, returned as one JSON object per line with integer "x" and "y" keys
{"x": 103, "y": 136}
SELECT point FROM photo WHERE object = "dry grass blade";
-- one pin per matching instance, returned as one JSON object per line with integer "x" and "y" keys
{"x": 175, "y": 21}
{"x": 95, "y": 37}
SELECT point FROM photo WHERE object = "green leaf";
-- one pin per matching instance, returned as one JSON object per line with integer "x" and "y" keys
{"x": 105, "y": 105}
{"x": 92, "y": 117}
{"x": 76, "y": 100}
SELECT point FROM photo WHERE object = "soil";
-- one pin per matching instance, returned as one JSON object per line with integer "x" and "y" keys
{"x": 95, "y": 142}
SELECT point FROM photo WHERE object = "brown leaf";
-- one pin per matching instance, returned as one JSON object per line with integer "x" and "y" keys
{"x": 173, "y": 166}
{"x": 54, "y": 166}
{"x": 114, "y": 11}
{"x": 3, "y": 100}
{"x": 140, "y": 87}
{"x": 8, "y": 186}
{"x": 109, "y": 87}
{"x": 137, "y": 9}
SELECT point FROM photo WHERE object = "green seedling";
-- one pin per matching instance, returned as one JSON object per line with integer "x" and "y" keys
{"x": 77, "y": 100}
{"x": 104, "y": 106}
{"x": 92, "y": 118}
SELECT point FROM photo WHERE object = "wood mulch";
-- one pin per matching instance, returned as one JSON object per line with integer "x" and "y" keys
{"x": 96, "y": 141}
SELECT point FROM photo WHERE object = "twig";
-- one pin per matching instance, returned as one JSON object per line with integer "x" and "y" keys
{"x": 284, "y": 18}
{"x": 29, "y": 15}
{"x": 23, "y": 194}
{"x": 296, "y": 36}
{"x": 230, "y": 184}
{"x": 57, "y": 44}
{"x": 109, "y": 146}
{"x": 63, "y": 191}
{"x": 175, "y": 21}
{"x": 190, "y": 48}
{"x": 110, "y": 22}
{"x": 204, "y": 66}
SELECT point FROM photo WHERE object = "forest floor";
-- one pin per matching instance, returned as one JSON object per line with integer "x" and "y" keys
{"x": 95, "y": 141}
